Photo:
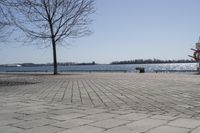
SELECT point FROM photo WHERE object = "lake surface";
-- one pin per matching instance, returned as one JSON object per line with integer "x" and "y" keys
{"x": 101, "y": 68}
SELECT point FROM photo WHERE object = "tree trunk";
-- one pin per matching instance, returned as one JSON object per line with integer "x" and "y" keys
{"x": 54, "y": 57}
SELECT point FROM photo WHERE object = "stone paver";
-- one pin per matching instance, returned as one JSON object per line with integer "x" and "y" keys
{"x": 83, "y": 129}
{"x": 145, "y": 125}
{"x": 100, "y": 103}
{"x": 197, "y": 130}
{"x": 109, "y": 123}
{"x": 122, "y": 129}
{"x": 169, "y": 129}
{"x": 66, "y": 116}
{"x": 188, "y": 123}
{"x": 72, "y": 123}
{"x": 33, "y": 123}
{"x": 133, "y": 116}
{"x": 43, "y": 129}
{"x": 163, "y": 117}
{"x": 100, "y": 116}
{"x": 8, "y": 129}
{"x": 9, "y": 122}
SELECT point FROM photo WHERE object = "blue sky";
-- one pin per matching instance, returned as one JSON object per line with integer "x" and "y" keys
{"x": 125, "y": 30}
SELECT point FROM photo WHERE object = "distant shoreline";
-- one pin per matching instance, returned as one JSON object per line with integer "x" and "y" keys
{"x": 151, "y": 63}
{"x": 85, "y": 64}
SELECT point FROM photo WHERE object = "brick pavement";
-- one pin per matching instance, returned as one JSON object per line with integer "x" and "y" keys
{"x": 100, "y": 103}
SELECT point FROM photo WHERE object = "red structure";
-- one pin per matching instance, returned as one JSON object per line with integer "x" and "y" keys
{"x": 196, "y": 55}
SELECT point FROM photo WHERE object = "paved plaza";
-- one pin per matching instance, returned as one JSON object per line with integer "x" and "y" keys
{"x": 100, "y": 103}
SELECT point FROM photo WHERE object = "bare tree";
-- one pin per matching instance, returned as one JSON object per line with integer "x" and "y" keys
{"x": 4, "y": 21}
{"x": 52, "y": 20}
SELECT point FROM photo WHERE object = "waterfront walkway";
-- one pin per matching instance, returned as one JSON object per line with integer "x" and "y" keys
{"x": 100, "y": 103}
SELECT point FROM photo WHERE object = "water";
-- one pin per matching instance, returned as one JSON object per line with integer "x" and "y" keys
{"x": 91, "y": 68}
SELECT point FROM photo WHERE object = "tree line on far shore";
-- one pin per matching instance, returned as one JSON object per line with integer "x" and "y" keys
{"x": 151, "y": 61}
{"x": 48, "y": 64}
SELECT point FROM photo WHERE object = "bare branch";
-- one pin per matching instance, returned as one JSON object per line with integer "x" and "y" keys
{"x": 52, "y": 20}
{"x": 5, "y": 23}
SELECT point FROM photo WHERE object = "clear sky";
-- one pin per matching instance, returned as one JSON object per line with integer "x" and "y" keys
{"x": 125, "y": 30}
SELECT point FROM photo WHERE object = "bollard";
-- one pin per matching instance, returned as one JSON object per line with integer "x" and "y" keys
{"x": 140, "y": 69}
